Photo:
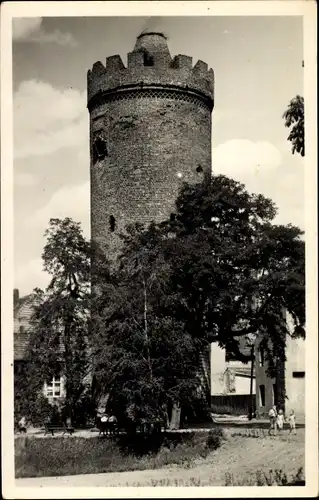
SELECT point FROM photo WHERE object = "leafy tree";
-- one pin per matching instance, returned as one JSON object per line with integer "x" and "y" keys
{"x": 59, "y": 342}
{"x": 294, "y": 119}
{"x": 235, "y": 271}
{"x": 217, "y": 270}
{"x": 145, "y": 360}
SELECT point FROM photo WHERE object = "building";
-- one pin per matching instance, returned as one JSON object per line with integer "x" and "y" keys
{"x": 233, "y": 382}
{"x": 288, "y": 385}
{"x": 23, "y": 310}
{"x": 150, "y": 131}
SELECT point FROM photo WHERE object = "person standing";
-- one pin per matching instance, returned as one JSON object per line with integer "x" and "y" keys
{"x": 273, "y": 420}
{"x": 280, "y": 420}
{"x": 292, "y": 423}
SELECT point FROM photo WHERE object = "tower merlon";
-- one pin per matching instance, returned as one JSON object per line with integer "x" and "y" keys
{"x": 135, "y": 59}
{"x": 150, "y": 63}
{"x": 114, "y": 63}
{"x": 181, "y": 61}
{"x": 201, "y": 69}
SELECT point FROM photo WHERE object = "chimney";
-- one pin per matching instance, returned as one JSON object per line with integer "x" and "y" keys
{"x": 15, "y": 297}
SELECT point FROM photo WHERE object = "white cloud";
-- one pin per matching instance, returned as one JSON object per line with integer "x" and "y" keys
{"x": 24, "y": 179}
{"x": 69, "y": 201}
{"x": 30, "y": 276}
{"x": 47, "y": 119}
{"x": 239, "y": 157}
{"x": 23, "y": 27}
{"x": 260, "y": 166}
{"x": 29, "y": 29}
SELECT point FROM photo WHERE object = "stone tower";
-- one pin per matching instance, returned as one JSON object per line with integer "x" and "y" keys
{"x": 150, "y": 130}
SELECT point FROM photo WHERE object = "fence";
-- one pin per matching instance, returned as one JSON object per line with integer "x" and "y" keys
{"x": 233, "y": 403}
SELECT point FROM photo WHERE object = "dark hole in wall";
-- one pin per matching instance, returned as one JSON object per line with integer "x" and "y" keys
{"x": 112, "y": 223}
{"x": 199, "y": 169}
{"x": 148, "y": 59}
{"x": 99, "y": 149}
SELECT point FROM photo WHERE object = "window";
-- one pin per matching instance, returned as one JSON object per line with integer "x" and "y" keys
{"x": 298, "y": 374}
{"x": 261, "y": 356}
{"x": 54, "y": 388}
{"x": 21, "y": 329}
{"x": 199, "y": 169}
{"x": 148, "y": 59}
{"x": 262, "y": 395}
{"x": 99, "y": 149}
{"x": 112, "y": 223}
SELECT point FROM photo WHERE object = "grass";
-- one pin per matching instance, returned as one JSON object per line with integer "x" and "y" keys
{"x": 267, "y": 478}
{"x": 58, "y": 456}
{"x": 258, "y": 478}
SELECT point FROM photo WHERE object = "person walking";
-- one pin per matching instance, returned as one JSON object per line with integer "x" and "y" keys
{"x": 280, "y": 420}
{"x": 292, "y": 422}
{"x": 273, "y": 420}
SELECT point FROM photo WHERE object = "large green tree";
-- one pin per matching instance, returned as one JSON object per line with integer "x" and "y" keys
{"x": 216, "y": 270}
{"x": 295, "y": 121}
{"x": 59, "y": 343}
{"x": 145, "y": 360}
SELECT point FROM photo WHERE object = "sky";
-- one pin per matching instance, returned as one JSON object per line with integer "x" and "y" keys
{"x": 257, "y": 63}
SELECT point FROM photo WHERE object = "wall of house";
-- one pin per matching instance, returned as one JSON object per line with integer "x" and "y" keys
{"x": 242, "y": 385}
{"x": 295, "y": 377}
{"x": 217, "y": 367}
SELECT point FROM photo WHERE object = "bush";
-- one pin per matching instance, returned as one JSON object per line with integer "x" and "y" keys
{"x": 48, "y": 456}
{"x": 214, "y": 439}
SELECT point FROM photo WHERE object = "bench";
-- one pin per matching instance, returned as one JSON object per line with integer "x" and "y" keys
{"x": 50, "y": 428}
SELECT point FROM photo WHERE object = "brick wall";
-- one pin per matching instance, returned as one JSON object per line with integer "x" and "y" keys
{"x": 156, "y": 124}
{"x": 154, "y": 144}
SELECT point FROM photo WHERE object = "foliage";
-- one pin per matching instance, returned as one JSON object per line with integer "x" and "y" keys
{"x": 36, "y": 457}
{"x": 294, "y": 119}
{"x": 145, "y": 360}
{"x": 28, "y": 399}
{"x": 267, "y": 478}
{"x": 217, "y": 270}
{"x": 59, "y": 343}
{"x": 214, "y": 439}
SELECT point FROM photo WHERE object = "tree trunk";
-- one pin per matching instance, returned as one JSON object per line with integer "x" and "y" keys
{"x": 251, "y": 383}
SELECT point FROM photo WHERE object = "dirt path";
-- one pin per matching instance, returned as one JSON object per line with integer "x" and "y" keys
{"x": 238, "y": 456}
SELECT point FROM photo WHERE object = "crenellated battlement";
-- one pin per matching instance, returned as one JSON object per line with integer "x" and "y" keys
{"x": 150, "y": 64}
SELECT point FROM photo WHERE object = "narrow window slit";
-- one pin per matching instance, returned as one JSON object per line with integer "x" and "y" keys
{"x": 112, "y": 223}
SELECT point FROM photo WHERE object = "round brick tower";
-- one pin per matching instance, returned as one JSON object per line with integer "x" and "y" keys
{"x": 150, "y": 130}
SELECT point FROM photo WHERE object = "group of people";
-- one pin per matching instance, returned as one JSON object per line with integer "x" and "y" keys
{"x": 277, "y": 420}
{"x": 106, "y": 424}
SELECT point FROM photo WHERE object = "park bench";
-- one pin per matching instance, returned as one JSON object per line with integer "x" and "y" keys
{"x": 51, "y": 428}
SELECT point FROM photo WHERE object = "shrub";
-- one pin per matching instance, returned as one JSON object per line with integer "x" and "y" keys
{"x": 48, "y": 456}
{"x": 214, "y": 439}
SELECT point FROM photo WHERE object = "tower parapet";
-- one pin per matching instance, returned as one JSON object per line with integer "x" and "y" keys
{"x": 150, "y": 67}
{"x": 150, "y": 131}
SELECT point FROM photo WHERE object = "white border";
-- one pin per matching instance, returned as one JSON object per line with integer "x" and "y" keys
{"x": 307, "y": 9}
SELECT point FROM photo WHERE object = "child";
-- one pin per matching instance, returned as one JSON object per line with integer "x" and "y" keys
{"x": 22, "y": 425}
{"x": 273, "y": 420}
{"x": 292, "y": 422}
{"x": 280, "y": 420}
